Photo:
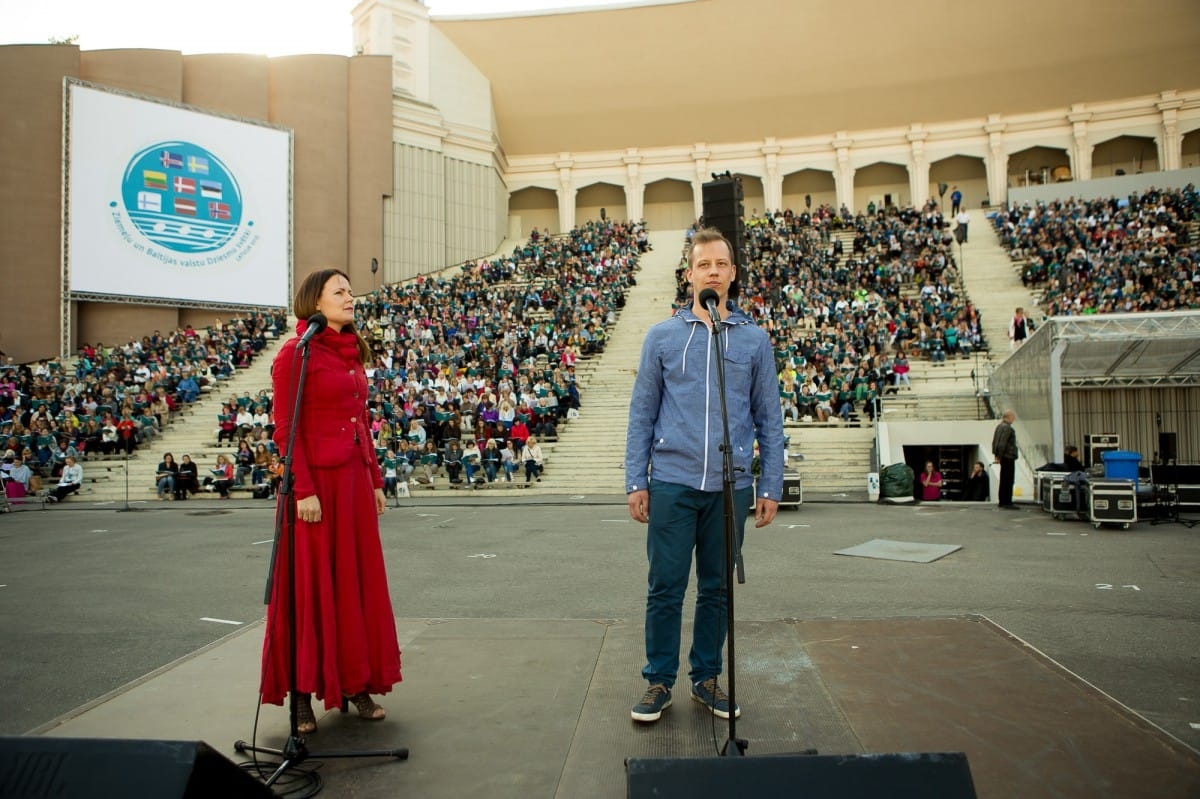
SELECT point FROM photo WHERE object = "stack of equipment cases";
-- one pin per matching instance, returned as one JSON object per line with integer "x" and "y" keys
{"x": 1042, "y": 483}
{"x": 1111, "y": 502}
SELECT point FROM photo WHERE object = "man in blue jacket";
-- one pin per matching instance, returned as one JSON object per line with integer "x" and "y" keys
{"x": 673, "y": 469}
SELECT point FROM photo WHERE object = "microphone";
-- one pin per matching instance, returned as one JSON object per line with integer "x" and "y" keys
{"x": 316, "y": 323}
{"x": 709, "y": 299}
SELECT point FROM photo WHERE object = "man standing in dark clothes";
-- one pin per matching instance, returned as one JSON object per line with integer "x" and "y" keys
{"x": 1004, "y": 450}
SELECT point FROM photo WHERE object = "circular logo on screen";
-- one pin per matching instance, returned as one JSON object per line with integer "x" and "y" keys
{"x": 182, "y": 197}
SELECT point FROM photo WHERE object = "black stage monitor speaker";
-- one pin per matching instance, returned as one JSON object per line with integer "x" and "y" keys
{"x": 1168, "y": 447}
{"x": 944, "y": 775}
{"x": 100, "y": 768}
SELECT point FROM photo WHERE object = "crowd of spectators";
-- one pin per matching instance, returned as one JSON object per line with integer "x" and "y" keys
{"x": 1108, "y": 255}
{"x": 112, "y": 400}
{"x": 847, "y": 325}
{"x": 490, "y": 353}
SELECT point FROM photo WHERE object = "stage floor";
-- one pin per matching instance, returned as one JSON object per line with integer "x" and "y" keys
{"x": 523, "y": 644}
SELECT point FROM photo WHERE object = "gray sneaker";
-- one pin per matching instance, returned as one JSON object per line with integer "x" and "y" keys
{"x": 656, "y": 699}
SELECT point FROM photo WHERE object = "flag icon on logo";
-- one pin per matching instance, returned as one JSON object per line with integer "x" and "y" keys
{"x": 218, "y": 210}
{"x": 197, "y": 165}
{"x": 154, "y": 180}
{"x": 149, "y": 201}
{"x": 185, "y": 185}
{"x": 171, "y": 160}
{"x": 210, "y": 189}
{"x": 185, "y": 206}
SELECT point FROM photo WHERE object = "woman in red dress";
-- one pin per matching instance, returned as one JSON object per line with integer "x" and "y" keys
{"x": 346, "y": 647}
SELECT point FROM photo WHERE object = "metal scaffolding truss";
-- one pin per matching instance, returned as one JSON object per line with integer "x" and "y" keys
{"x": 1128, "y": 350}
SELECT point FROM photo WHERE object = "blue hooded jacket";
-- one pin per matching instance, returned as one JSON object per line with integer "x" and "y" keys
{"x": 675, "y": 411}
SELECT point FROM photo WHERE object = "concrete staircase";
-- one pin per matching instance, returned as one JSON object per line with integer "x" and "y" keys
{"x": 993, "y": 282}
{"x": 589, "y": 456}
{"x": 191, "y": 431}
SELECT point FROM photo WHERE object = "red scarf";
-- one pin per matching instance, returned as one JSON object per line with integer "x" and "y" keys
{"x": 345, "y": 342}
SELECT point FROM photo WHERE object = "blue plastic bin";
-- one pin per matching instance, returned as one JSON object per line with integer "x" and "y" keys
{"x": 1121, "y": 464}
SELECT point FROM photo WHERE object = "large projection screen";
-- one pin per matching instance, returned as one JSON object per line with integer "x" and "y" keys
{"x": 168, "y": 204}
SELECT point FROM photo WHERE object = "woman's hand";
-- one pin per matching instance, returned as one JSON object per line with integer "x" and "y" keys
{"x": 380, "y": 501}
{"x": 309, "y": 509}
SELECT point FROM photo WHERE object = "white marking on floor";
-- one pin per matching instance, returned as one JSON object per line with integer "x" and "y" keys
{"x": 1056, "y": 533}
{"x": 481, "y": 555}
{"x": 99, "y": 531}
{"x": 614, "y": 521}
{"x": 221, "y": 621}
{"x": 267, "y": 541}
{"x": 794, "y": 526}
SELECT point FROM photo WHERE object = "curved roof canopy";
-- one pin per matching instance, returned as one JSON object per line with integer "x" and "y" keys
{"x": 744, "y": 70}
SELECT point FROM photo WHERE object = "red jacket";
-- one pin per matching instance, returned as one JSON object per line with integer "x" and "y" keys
{"x": 334, "y": 429}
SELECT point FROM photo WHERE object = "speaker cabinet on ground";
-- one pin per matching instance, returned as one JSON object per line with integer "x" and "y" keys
{"x": 1168, "y": 447}
{"x": 944, "y": 775}
{"x": 100, "y": 768}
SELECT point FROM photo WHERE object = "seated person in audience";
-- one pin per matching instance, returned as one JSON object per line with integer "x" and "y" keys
{"x": 262, "y": 461}
{"x": 127, "y": 434}
{"x": 275, "y": 474}
{"x": 18, "y": 478}
{"x": 531, "y": 456}
{"x": 220, "y": 478}
{"x": 188, "y": 390}
{"x": 186, "y": 478}
{"x": 164, "y": 479}
{"x": 471, "y": 462}
{"x": 226, "y": 424}
{"x": 430, "y": 462}
{"x": 70, "y": 481}
{"x": 490, "y": 457}
{"x": 244, "y": 420}
{"x": 243, "y": 461}
{"x": 452, "y": 459}
{"x": 519, "y": 432}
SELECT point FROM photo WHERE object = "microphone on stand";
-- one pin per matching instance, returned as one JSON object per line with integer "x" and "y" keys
{"x": 709, "y": 299}
{"x": 316, "y": 323}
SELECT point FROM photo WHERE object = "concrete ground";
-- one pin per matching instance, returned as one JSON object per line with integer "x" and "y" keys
{"x": 1047, "y": 650}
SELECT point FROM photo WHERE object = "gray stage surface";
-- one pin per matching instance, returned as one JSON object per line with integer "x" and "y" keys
{"x": 1061, "y": 659}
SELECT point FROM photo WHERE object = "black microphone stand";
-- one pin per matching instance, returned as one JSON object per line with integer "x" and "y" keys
{"x": 295, "y": 751}
{"x": 731, "y": 554}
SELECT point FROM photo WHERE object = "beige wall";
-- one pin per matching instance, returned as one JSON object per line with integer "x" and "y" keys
{"x": 1131, "y": 153}
{"x": 669, "y": 205}
{"x": 592, "y": 198}
{"x": 814, "y": 183}
{"x": 339, "y": 108}
{"x": 31, "y": 196}
{"x": 535, "y": 208}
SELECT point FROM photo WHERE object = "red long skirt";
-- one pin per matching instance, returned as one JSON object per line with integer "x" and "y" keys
{"x": 346, "y": 632}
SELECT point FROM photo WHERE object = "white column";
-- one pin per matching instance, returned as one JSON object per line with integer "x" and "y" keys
{"x": 566, "y": 194}
{"x": 843, "y": 173}
{"x": 1081, "y": 151}
{"x": 996, "y": 162}
{"x": 699, "y": 178}
{"x": 635, "y": 191}
{"x": 772, "y": 179}
{"x": 1170, "y": 143}
{"x": 918, "y": 168}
